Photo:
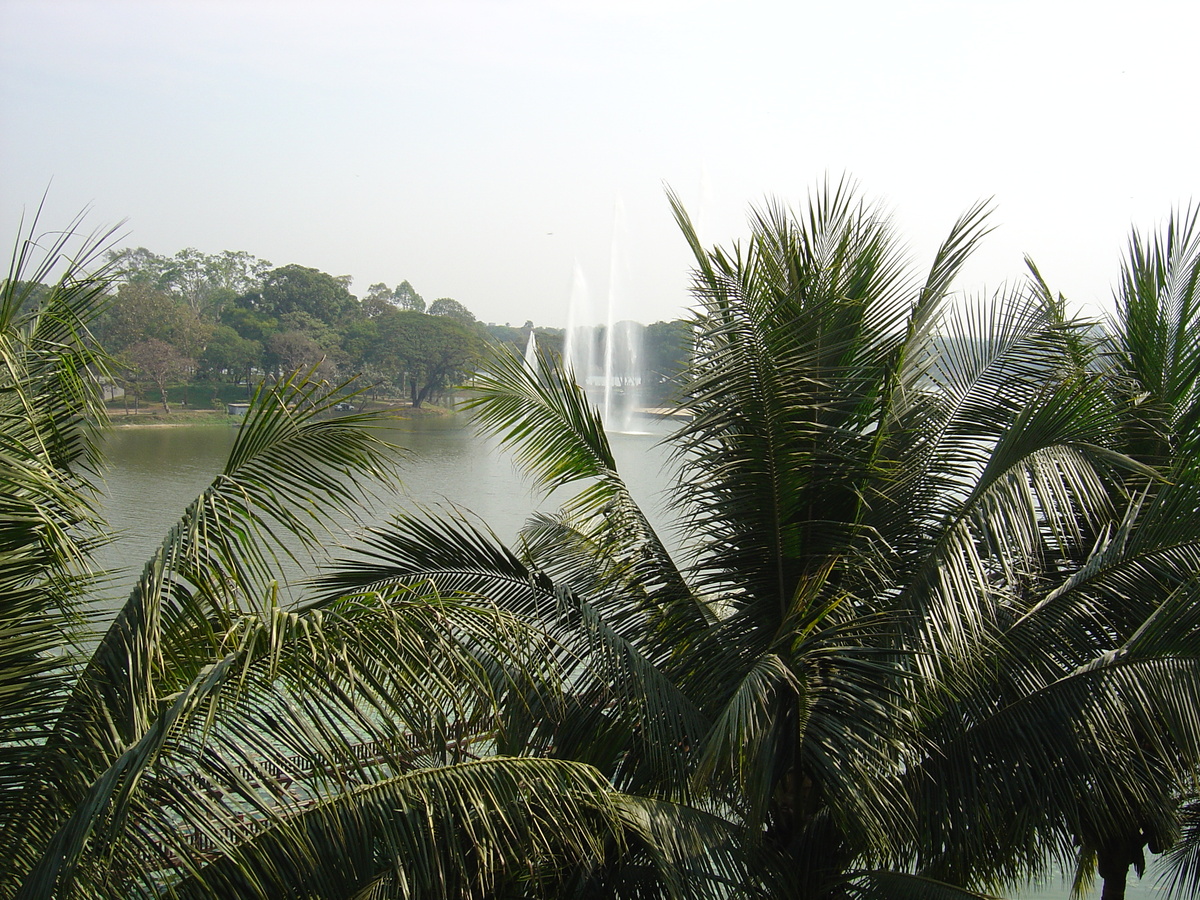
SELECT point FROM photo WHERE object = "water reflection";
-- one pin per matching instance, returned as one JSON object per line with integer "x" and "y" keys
{"x": 154, "y": 473}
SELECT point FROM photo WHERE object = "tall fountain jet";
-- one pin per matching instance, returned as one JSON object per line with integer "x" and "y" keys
{"x": 577, "y": 343}
{"x": 531, "y": 351}
{"x": 605, "y": 351}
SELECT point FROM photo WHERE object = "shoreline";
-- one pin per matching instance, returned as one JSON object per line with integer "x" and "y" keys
{"x": 118, "y": 418}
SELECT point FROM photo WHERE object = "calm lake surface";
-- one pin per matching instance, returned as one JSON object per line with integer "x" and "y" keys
{"x": 154, "y": 473}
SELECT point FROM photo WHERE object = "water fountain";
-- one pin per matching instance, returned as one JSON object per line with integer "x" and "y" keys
{"x": 577, "y": 342}
{"x": 606, "y": 356}
{"x": 531, "y": 351}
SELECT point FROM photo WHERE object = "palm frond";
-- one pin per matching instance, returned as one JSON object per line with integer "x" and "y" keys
{"x": 1156, "y": 335}
{"x": 621, "y": 696}
{"x": 1100, "y": 747}
{"x": 497, "y": 827}
{"x": 544, "y": 418}
{"x": 299, "y": 710}
{"x": 794, "y": 337}
{"x": 1184, "y": 858}
{"x": 216, "y": 563}
{"x": 886, "y": 885}
{"x": 50, "y": 421}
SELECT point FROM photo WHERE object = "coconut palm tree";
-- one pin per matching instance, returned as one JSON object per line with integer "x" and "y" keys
{"x": 1105, "y": 651}
{"x": 1150, "y": 355}
{"x": 923, "y": 624}
{"x": 211, "y": 740}
{"x": 48, "y": 456}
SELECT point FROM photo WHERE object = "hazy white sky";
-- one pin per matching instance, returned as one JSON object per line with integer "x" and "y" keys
{"x": 478, "y": 148}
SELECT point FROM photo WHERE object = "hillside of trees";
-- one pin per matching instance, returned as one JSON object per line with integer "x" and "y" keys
{"x": 207, "y": 322}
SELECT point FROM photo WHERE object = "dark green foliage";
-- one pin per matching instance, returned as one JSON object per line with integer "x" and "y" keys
{"x": 666, "y": 347}
{"x": 230, "y": 356}
{"x": 452, "y": 309}
{"x": 301, "y": 289}
{"x": 430, "y": 353}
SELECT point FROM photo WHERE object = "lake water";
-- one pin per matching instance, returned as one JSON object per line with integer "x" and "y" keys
{"x": 153, "y": 473}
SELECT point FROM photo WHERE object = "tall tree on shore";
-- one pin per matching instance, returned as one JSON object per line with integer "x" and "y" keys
{"x": 202, "y": 281}
{"x": 430, "y": 353}
{"x": 294, "y": 288}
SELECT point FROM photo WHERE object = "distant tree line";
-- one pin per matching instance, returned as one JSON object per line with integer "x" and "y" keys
{"x": 204, "y": 319}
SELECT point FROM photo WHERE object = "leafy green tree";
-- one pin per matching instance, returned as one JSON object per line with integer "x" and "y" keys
{"x": 141, "y": 266}
{"x": 245, "y": 316}
{"x": 929, "y": 628}
{"x": 228, "y": 353}
{"x": 452, "y": 309}
{"x": 406, "y": 298}
{"x": 294, "y": 288}
{"x": 514, "y": 338}
{"x": 358, "y": 341}
{"x": 141, "y": 312}
{"x": 234, "y": 272}
{"x": 377, "y": 300}
{"x": 303, "y": 342}
{"x": 430, "y": 353}
{"x": 550, "y": 341}
{"x": 186, "y": 274}
{"x": 204, "y": 281}
{"x": 665, "y": 347}
{"x": 363, "y": 356}
{"x": 381, "y": 298}
{"x": 326, "y": 336}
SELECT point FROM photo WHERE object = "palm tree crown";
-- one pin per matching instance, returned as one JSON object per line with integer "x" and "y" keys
{"x": 906, "y": 643}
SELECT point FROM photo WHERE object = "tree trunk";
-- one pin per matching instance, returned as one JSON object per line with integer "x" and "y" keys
{"x": 1114, "y": 885}
{"x": 1113, "y": 859}
{"x": 162, "y": 389}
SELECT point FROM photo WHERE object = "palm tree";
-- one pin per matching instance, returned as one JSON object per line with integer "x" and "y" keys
{"x": 1102, "y": 661}
{"x": 211, "y": 741}
{"x": 48, "y": 456}
{"x": 1150, "y": 354}
{"x": 916, "y": 634}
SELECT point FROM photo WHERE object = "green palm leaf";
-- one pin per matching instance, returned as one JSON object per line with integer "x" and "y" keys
{"x": 50, "y": 416}
{"x": 215, "y": 564}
